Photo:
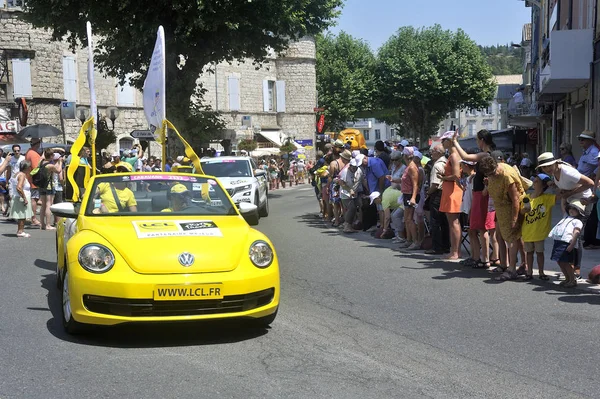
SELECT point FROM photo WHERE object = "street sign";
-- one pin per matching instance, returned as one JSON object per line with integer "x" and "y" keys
{"x": 305, "y": 143}
{"x": 67, "y": 109}
{"x": 318, "y": 109}
{"x": 142, "y": 135}
{"x": 8, "y": 127}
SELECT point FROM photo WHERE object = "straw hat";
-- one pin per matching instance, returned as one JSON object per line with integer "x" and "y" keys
{"x": 546, "y": 159}
{"x": 347, "y": 155}
{"x": 587, "y": 134}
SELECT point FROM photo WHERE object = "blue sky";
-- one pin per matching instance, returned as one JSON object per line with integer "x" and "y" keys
{"x": 487, "y": 22}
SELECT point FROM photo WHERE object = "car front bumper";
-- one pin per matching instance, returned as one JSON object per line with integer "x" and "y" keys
{"x": 127, "y": 296}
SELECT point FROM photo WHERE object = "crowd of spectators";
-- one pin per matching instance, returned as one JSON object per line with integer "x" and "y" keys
{"x": 432, "y": 202}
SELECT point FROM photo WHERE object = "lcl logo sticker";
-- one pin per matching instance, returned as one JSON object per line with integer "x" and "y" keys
{"x": 162, "y": 226}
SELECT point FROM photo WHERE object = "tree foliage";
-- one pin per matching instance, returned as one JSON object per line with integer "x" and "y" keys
{"x": 345, "y": 78}
{"x": 425, "y": 73}
{"x": 247, "y": 145}
{"x": 287, "y": 148}
{"x": 197, "y": 33}
{"x": 503, "y": 59}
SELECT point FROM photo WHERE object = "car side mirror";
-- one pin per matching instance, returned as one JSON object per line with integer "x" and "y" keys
{"x": 259, "y": 172}
{"x": 246, "y": 208}
{"x": 65, "y": 210}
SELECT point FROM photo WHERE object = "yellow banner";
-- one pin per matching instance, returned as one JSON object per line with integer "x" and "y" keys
{"x": 75, "y": 159}
{"x": 189, "y": 151}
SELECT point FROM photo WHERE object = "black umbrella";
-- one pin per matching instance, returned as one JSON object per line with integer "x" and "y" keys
{"x": 39, "y": 131}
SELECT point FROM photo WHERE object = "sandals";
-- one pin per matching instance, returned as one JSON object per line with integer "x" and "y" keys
{"x": 522, "y": 270}
{"x": 544, "y": 277}
{"x": 481, "y": 265}
{"x": 506, "y": 276}
{"x": 495, "y": 262}
{"x": 498, "y": 269}
{"x": 23, "y": 235}
{"x": 528, "y": 277}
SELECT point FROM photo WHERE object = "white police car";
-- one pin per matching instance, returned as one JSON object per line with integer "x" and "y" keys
{"x": 243, "y": 180}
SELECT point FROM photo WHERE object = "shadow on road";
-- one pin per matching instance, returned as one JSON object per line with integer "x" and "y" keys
{"x": 143, "y": 335}
{"x": 449, "y": 270}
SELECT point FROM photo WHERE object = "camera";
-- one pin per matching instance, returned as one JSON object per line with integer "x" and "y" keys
{"x": 12, "y": 154}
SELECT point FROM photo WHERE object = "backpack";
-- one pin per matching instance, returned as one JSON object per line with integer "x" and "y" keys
{"x": 40, "y": 176}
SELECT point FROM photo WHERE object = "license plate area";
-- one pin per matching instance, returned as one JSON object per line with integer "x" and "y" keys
{"x": 188, "y": 292}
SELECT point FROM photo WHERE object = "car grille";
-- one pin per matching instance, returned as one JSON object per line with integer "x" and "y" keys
{"x": 231, "y": 191}
{"x": 150, "y": 307}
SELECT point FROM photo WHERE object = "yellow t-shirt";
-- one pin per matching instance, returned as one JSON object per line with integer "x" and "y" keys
{"x": 538, "y": 222}
{"x": 126, "y": 197}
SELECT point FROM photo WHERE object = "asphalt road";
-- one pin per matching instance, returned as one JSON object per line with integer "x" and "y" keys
{"x": 357, "y": 320}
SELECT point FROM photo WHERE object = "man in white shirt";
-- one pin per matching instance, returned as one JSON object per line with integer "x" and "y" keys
{"x": 440, "y": 235}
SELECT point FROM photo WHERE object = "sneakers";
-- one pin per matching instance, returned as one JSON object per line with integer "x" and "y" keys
{"x": 398, "y": 240}
{"x": 406, "y": 244}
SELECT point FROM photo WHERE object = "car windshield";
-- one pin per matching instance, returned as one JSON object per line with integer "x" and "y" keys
{"x": 227, "y": 168}
{"x": 157, "y": 194}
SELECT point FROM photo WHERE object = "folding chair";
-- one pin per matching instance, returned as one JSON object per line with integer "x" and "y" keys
{"x": 464, "y": 228}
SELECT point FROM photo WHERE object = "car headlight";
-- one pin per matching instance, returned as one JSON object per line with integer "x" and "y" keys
{"x": 96, "y": 258}
{"x": 261, "y": 254}
{"x": 244, "y": 188}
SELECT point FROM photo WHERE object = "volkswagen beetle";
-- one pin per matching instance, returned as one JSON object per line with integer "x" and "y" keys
{"x": 150, "y": 247}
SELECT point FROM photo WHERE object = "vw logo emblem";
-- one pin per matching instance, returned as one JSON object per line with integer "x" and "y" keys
{"x": 186, "y": 259}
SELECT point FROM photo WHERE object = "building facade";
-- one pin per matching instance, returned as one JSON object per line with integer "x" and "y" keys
{"x": 563, "y": 67}
{"x": 270, "y": 104}
{"x": 374, "y": 130}
{"x": 469, "y": 121}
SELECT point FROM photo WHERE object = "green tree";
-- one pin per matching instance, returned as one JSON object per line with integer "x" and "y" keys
{"x": 197, "y": 34}
{"x": 345, "y": 78}
{"x": 503, "y": 59}
{"x": 425, "y": 73}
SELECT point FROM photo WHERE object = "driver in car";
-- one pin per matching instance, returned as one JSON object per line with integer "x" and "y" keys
{"x": 115, "y": 197}
{"x": 181, "y": 198}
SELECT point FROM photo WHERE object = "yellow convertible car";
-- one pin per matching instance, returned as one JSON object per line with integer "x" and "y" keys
{"x": 148, "y": 247}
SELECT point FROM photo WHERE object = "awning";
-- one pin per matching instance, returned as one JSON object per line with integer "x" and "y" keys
{"x": 273, "y": 136}
{"x": 264, "y": 152}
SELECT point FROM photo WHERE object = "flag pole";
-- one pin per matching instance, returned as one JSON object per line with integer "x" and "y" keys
{"x": 93, "y": 106}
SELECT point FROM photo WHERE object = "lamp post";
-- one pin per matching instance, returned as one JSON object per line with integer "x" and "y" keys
{"x": 113, "y": 114}
{"x": 83, "y": 113}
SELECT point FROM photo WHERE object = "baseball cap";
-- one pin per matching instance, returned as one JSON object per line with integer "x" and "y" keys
{"x": 447, "y": 136}
{"x": 543, "y": 177}
{"x": 179, "y": 189}
{"x": 404, "y": 143}
{"x": 410, "y": 151}
{"x": 338, "y": 143}
{"x": 180, "y": 158}
{"x": 115, "y": 154}
{"x": 418, "y": 153}
{"x": 374, "y": 195}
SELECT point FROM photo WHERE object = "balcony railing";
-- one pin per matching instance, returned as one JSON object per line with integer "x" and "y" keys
{"x": 522, "y": 108}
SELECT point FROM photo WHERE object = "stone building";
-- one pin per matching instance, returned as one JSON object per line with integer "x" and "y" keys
{"x": 44, "y": 73}
{"x": 268, "y": 104}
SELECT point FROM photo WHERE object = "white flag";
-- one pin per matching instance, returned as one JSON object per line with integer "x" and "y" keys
{"x": 154, "y": 87}
{"x": 93, "y": 105}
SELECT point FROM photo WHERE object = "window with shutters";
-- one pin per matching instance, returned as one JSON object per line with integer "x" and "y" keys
{"x": 274, "y": 95}
{"x": 21, "y": 69}
{"x": 377, "y": 134}
{"x": 366, "y": 134}
{"x": 70, "y": 78}
{"x": 234, "y": 93}
{"x": 126, "y": 94}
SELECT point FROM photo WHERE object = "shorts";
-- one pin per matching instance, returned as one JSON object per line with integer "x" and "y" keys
{"x": 406, "y": 198}
{"x": 537, "y": 246}
{"x": 35, "y": 193}
{"x": 58, "y": 197}
{"x": 560, "y": 254}
{"x": 45, "y": 192}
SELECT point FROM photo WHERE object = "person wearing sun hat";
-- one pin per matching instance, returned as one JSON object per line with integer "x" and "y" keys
{"x": 537, "y": 211}
{"x": 588, "y": 162}
{"x": 335, "y": 200}
{"x": 566, "y": 235}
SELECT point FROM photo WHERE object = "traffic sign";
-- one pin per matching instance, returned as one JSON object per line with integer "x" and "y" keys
{"x": 142, "y": 135}
{"x": 318, "y": 109}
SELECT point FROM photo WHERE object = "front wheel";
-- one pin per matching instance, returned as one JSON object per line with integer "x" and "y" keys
{"x": 70, "y": 325}
{"x": 264, "y": 211}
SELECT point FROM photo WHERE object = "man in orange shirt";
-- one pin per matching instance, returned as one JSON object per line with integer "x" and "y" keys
{"x": 32, "y": 155}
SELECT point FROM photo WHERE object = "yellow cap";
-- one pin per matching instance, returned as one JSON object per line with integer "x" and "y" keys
{"x": 179, "y": 189}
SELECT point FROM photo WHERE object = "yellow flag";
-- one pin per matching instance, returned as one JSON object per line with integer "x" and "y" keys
{"x": 189, "y": 151}
{"x": 75, "y": 150}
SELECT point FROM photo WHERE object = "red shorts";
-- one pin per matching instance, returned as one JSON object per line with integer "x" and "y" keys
{"x": 480, "y": 218}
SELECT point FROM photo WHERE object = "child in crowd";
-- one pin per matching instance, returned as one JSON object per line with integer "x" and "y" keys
{"x": 537, "y": 208}
{"x": 466, "y": 183}
{"x": 565, "y": 235}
